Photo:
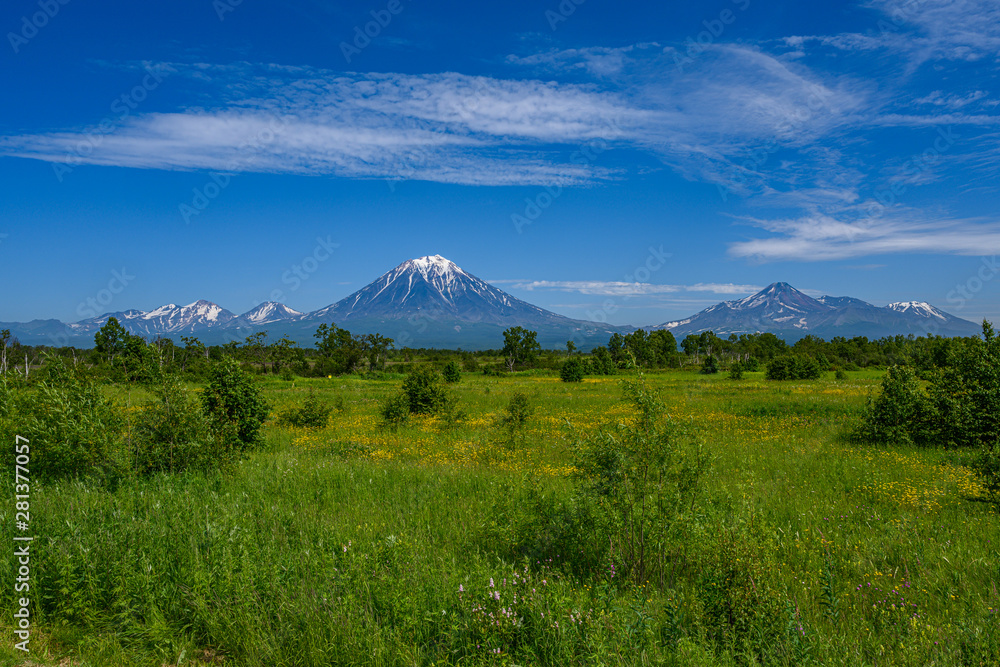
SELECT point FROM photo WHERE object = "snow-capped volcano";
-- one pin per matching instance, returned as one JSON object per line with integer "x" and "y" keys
{"x": 169, "y": 318}
{"x": 919, "y": 309}
{"x": 436, "y": 288}
{"x": 780, "y": 308}
{"x": 270, "y": 312}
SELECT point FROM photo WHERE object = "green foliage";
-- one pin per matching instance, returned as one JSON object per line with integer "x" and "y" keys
{"x": 736, "y": 371}
{"x": 339, "y": 352}
{"x": 395, "y": 411}
{"x": 572, "y": 370}
{"x": 710, "y": 366}
{"x": 109, "y": 340}
{"x": 518, "y": 411}
{"x": 645, "y": 476}
{"x": 313, "y": 413}
{"x": 601, "y": 362}
{"x": 173, "y": 433}
{"x": 520, "y": 347}
{"x": 73, "y": 430}
{"x": 235, "y": 405}
{"x": 423, "y": 390}
{"x": 966, "y": 393}
{"x": 840, "y": 374}
{"x": 899, "y": 414}
{"x": 451, "y": 372}
{"x": 793, "y": 367}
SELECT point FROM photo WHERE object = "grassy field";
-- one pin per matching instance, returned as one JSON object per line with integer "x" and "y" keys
{"x": 357, "y": 544}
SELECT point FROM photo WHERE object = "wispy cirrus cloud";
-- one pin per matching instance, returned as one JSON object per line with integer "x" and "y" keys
{"x": 622, "y": 288}
{"x": 457, "y": 128}
{"x": 820, "y": 237}
{"x": 445, "y": 127}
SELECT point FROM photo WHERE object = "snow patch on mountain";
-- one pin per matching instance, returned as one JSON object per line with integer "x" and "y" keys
{"x": 919, "y": 308}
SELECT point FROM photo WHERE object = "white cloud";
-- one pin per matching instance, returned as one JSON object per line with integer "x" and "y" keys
{"x": 820, "y": 237}
{"x": 445, "y": 127}
{"x": 621, "y": 288}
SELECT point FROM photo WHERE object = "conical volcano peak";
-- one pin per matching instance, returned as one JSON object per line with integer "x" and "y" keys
{"x": 431, "y": 265}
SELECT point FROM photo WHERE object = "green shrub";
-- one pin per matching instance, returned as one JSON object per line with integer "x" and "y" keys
{"x": 710, "y": 366}
{"x": 793, "y": 367}
{"x": 72, "y": 430}
{"x": 311, "y": 414}
{"x": 451, "y": 372}
{"x": 840, "y": 374}
{"x": 422, "y": 388}
{"x": 601, "y": 362}
{"x": 515, "y": 418}
{"x": 966, "y": 393}
{"x": 645, "y": 476}
{"x": 899, "y": 414}
{"x": 234, "y": 404}
{"x": 173, "y": 433}
{"x": 736, "y": 371}
{"x": 572, "y": 370}
{"x": 396, "y": 410}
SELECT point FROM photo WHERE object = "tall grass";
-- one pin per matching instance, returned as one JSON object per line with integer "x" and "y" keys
{"x": 356, "y": 544}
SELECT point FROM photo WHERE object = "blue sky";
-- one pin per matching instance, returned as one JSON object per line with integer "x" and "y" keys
{"x": 622, "y": 161}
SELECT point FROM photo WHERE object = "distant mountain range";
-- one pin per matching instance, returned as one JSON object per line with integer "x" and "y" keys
{"x": 424, "y": 302}
{"x": 785, "y": 311}
{"x": 431, "y": 302}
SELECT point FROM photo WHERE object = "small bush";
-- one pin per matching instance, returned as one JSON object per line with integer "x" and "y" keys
{"x": 710, "y": 366}
{"x": 515, "y": 418}
{"x": 601, "y": 362}
{"x": 234, "y": 403}
{"x": 840, "y": 374}
{"x": 72, "y": 430}
{"x": 396, "y": 410}
{"x": 174, "y": 434}
{"x": 900, "y": 412}
{"x": 451, "y": 372}
{"x": 646, "y": 476}
{"x": 311, "y": 414}
{"x": 793, "y": 367}
{"x": 572, "y": 370}
{"x": 423, "y": 390}
{"x": 736, "y": 371}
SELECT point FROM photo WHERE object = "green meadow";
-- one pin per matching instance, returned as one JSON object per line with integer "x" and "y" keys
{"x": 446, "y": 540}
